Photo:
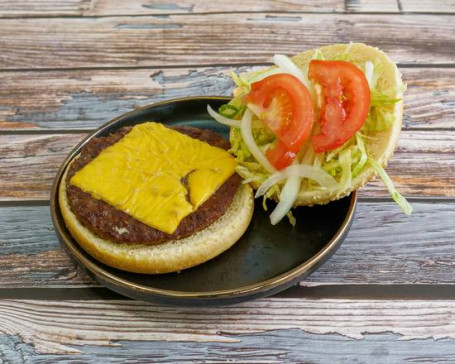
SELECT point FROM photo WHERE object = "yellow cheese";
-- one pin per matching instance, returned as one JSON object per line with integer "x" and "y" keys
{"x": 156, "y": 175}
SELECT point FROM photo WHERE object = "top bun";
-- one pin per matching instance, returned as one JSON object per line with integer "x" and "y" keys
{"x": 379, "y": 145}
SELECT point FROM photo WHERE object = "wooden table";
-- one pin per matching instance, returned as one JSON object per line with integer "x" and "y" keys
{"x": 67, "y": 66}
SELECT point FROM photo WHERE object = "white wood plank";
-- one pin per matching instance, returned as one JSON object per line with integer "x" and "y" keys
{"x": 73, "y": 328}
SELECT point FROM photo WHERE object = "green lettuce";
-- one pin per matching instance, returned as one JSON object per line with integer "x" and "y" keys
{"x": 344, "y": 163}
{"x": 396, "y": 196}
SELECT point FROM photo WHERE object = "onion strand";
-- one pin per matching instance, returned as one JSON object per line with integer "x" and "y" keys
{"x": 247, "y": 135}
{"x": 222, "y": 119}
{"x": 303, "y": 171}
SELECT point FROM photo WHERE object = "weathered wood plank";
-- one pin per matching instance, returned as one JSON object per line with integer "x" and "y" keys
{"x": 216, "y": 38}
{"x": 28, "y": 163}
{"x": 428, "y": 6}
{"x": 372, "y": 6}
{"x": 383, "y": 247}
{"x": 423, "y": 164}
{"x": 147, "y": 7}
{"x": 85, "y": 99}
{"x": 30, "y": 252}
{"x": 31, "y": 8}
{"x": 268, "y": 330}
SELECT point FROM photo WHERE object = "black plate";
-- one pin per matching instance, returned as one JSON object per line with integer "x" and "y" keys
{"x": 266, "y": 260}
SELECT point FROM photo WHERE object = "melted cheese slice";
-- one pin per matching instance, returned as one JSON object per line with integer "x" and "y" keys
{"x": 156, "y": 175}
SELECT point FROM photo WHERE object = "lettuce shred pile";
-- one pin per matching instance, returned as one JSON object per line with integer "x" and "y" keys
{"x": 344, "y": 163}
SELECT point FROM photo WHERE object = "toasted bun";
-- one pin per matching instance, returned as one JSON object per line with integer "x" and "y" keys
{"x": 173, "y": 255}
{"x": 379, "y": 145}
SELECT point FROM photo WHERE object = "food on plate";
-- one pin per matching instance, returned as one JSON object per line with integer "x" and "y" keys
{"x": 316, "y": 126}
{"x": 152, "y": 199}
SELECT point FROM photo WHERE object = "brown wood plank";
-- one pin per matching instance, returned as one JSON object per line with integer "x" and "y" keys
{"x": 31, "y": 8}
{"x": 147, "y": 7}
{"x": 85, "y": 99}
{"x": 423, "y": 164}
{"x": 388, "y": 6}
{"x": 265, "y": 331}
{"x": 428, "y": 6}
{"x": 216, "y": 39}
{"x": 383, "y": 247}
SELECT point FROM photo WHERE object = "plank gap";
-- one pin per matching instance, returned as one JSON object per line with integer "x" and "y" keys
{"x": 323, "y": 291}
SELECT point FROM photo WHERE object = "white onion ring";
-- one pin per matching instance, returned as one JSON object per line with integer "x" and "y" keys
{"x": 287, "y": 198}
{"x": 287, "y": 66}
{"x": 247, "y": 135}
{"x": 303, "y": 171}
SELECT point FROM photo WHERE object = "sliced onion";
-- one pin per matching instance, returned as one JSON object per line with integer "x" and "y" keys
{"x": 222, "y": 119}
{"x": 287, "y": 66}
{"x": 303, "y": 171}
{"x": 287, "y": 198}
{"x": 247, "y": 135}
{"x": 369, "y": 68}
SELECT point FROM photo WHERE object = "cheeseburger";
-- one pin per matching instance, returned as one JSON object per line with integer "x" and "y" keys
{"x": 152, "y": 199}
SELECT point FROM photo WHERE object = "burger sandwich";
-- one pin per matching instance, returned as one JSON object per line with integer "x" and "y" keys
{"x": 153, "y": 199}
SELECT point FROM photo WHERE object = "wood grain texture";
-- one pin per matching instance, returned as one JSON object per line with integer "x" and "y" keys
{"x": 85, "y": 99}
{"x": 268, "y": 330}
{"x": 216, "y": 39}
{"x": 428, "y": 6}
{"x": 28, "y": 163}
{"x": 146, "y": 7}
{"x": 383, "y": 247}
{"x": 423, "y": 164}
{"x": 31, "y": 8}
{"x": 372, "y": 6}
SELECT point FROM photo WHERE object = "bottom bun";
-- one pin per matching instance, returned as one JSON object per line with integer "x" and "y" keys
{"x": 171, "y": 256}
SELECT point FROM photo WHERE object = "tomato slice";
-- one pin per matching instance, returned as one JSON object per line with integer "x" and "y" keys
{"x": 280, "y": 156}
{"x": 284, "y": 105}
{"x": 346, "y": 102}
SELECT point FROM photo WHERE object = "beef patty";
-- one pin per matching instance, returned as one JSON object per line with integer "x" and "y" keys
{"x": 109, "y": 223}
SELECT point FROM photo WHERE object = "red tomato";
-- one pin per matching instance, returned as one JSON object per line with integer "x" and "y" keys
{"x": 284, "y": 104}
{"x": 280, "y": 156}
{"x": 346, "y": 102}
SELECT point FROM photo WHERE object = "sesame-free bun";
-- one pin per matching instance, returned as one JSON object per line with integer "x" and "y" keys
{"x": 379, "y": 145}
{"x": 171, "y": 256}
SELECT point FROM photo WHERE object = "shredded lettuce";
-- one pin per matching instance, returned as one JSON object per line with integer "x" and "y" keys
{"x": 358, "y": 167}
{"x": 397, "y": 197}
{"x": 291, "y": 218}
{"x": 379, "y": 120}
{"x": 241, "y": 82}
{"x": 344, "y": 163}
{"x": 381, "y": 115}
{"x": 346, "y": 172}
{"x": 318, "y": 55}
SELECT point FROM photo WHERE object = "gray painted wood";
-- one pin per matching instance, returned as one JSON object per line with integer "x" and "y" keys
{"x": 383, "y": 247}
{"x": 268, "y": 330}
{"x": 27, "y": 8}
{"x": 85, "y": 99}
{"x": 428, "y": 6}
{"x": 51, "y": 8}
{"x": 277, "y": 346}
{"x": 423, "y": 164}
{"x": 216, "y": 39}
